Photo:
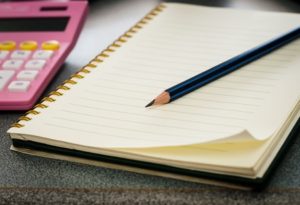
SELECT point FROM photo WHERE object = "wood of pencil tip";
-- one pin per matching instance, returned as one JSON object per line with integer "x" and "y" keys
{"x": 161, "y": 99}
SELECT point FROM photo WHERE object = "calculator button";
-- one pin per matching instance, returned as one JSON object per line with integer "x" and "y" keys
{"x": 3, "y": 54}
{"x": 19, "y": 54}
{"x": 50, "y": 45}
{"x": 5, "y": 76}
{"x": 29, "y": 45}
{"x": 18, "y": 86}
{"x": 35, "y": 64}
{"x": 27, "y": 75}
{"x": 12, "y": 64}
{"x": 40, "y": 54}
{"x": 7, "y": 45}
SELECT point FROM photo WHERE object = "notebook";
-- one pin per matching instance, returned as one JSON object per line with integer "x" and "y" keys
{"x": 231, "y": 132}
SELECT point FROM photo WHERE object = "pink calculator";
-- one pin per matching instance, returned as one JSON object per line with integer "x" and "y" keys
{"x": 35, "y": 39}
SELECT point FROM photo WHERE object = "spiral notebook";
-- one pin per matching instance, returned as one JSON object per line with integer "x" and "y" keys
{"x": 231, "y": 132}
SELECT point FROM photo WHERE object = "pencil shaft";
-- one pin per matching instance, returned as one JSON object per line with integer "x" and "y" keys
{"x": 231, "y": 65}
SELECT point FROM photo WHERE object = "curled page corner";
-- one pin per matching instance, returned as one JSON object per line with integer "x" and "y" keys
{"x": 273, "y": 116}
{"x": 270, "y": 126}
{"x": 278, "y": 110}
{"x": 240, "y": 137}
{"x": 243, "y": 136}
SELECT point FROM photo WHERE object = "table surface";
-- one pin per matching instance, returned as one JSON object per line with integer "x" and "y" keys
{"x": 25, "y": 178}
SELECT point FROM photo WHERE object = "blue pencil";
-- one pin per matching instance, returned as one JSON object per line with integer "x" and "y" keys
{"x": 224, "y": 68}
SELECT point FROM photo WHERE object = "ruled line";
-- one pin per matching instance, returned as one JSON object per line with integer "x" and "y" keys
{"x": 263, "y": 71}
{"x": 185, "y": 70}
{"x": 97, "y": 124}
{"x": 113, "y": 95}
{"x": 190, "y": 98}
{"x": 210, "y": 108}
{"x": 151, "y": 85}
{"x": 240, "y": 89}
{"x": 227, "y": 80}
{"x": 178, "y": 104}
{"x": 121, "y": 89}
{"x": 209, "y": 92}
{"x": 142, "y": 115}
{"x": 97, "y": 133}
{"x": 139, "y": 77}
{"x": 186, "y": 58}
{"x": 229, "y": 95}
{"x": 223, "y": 102}
{"x": 162, "y": 80}
{"x": 238, "y": 29}
{"x": 202, "y": 33}
{"x": 156, "y": 70}
{"x": 164, "y": 109}
{"x": 214, "y": 50}
{"x": 206, "y": 55}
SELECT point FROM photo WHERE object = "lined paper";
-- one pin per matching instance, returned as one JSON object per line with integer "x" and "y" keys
{"x": 106, "y": 109}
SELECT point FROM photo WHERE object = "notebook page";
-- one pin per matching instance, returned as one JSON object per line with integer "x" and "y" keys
{"x": 250, "y": 158}
{"x": 106, "y": 109}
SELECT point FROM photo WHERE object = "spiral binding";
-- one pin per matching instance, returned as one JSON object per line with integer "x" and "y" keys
{"x": 86, "y": 69}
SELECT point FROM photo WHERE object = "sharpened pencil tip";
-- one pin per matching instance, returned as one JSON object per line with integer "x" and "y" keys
{"x": 151, "y": 103}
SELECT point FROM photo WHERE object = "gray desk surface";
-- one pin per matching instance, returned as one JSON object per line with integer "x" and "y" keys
{"x": 27, "y": 179}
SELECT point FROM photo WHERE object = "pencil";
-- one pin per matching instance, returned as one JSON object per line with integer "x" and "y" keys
{"x": 223, "y": 69}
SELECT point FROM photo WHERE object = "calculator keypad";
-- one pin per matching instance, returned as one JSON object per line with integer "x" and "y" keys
{"x": 5, "y": 76}
{"x": 18, "y": 86}
{"x": 43, "y": 54}
{"x": 12, "y": 64}
{"x": 20, "y": 54}
{"x": 3, "y": 54}
{"x": 29, "y": 45}
{"x": 27, "y": 75}
{"x": 50, "y": 45}
{"x": 7, "y": 45}
{"x": 36, "y": 64}
{"x": 20, "y": 67}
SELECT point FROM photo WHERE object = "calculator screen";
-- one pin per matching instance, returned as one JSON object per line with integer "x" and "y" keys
{"x": 33, "y": 24}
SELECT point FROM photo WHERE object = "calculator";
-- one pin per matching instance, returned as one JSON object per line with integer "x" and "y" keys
{"x": 35, "y": 39}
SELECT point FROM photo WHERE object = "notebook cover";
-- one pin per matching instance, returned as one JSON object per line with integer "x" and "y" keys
{"x": 257, "y": 183}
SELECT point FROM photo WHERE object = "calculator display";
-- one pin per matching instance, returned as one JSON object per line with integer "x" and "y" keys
{"x": 33, "y": 24}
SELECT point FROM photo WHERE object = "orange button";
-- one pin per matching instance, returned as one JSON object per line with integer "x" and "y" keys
{"x": 50, "y": 45}
{"x": 7, "y": 45}
{"x": 29, "y": 45}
